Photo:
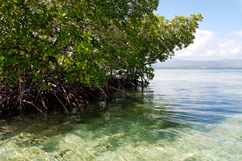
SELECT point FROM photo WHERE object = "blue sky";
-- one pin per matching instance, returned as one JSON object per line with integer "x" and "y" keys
{"x": 219, "y": 35}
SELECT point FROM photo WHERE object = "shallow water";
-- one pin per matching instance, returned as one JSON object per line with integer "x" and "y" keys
{"x": 185, "y": 114}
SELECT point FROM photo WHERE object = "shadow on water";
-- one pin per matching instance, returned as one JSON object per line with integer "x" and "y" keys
{"x": 35, "y": 130}
{"x": 177, "y": 119}
{"x": 140, "y": 118}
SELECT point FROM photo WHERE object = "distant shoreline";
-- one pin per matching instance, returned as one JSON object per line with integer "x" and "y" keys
{"x": 177, "y": 63}
{"x": 199, "y": 68}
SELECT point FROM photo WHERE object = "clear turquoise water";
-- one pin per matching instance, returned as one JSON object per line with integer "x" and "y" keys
{"x": 185, "y": 114}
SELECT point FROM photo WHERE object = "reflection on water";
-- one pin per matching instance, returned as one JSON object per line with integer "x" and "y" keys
{"x": 183, "y": 115}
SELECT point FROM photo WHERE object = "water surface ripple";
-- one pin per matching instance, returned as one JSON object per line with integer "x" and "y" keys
{"x": 185, "y": 114}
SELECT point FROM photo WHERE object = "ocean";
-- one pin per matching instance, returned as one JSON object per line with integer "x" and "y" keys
{"x": 183, "y": 115}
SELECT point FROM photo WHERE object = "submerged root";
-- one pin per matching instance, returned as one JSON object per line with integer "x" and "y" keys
{"x": 71, "y": 96}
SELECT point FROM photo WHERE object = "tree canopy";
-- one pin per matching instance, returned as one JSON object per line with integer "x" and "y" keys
{"x": 89, "y": 41}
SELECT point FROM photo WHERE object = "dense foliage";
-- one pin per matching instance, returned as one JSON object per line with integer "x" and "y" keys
{"x": 48, "y": 43}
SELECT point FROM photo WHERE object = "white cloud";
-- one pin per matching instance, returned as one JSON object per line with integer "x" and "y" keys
{"x": 208, "y": 46}
{"x": 238, "y": 33}
{"x": 235, "y": 50}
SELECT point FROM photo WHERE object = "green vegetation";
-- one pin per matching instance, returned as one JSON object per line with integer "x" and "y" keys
{"x": 67, "y": 49}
